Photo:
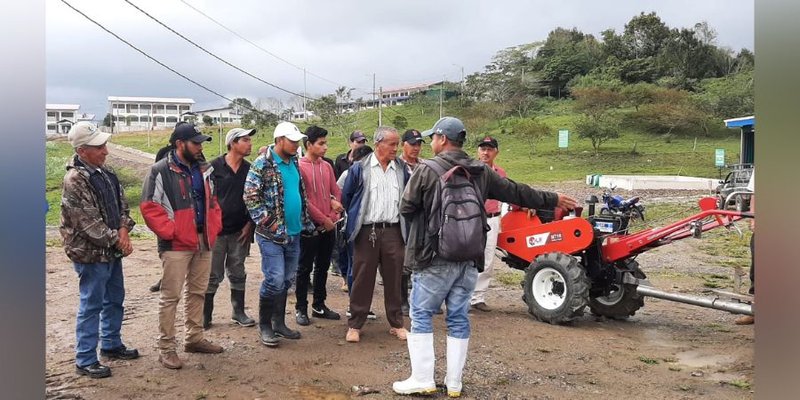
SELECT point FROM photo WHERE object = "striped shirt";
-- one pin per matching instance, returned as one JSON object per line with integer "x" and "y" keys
{"x": 384, "y": 193}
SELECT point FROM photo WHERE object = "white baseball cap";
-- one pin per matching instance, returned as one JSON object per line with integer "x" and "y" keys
{"x": 237, "y": 133}
{"x": 289, "y": 131}
{"x": 85, "y": 133}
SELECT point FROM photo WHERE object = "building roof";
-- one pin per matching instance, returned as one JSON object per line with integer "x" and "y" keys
{"x": 151, "y": 99}
{"x": 740, "y": 122}
{"x": 213, "y": 109}
{"x": 55, "y": 106}
{"x": 417, "y": 86}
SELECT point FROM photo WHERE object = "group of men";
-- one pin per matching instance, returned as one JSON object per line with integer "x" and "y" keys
{"x": 388, "y": 211}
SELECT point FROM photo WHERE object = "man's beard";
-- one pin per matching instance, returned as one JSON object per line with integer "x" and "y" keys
{"x": 188, "y": 156}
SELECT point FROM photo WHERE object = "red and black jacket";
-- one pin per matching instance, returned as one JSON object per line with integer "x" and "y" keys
{"x": 168, "y": 207}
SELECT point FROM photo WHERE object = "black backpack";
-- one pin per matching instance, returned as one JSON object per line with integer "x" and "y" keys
{"x": 457, "y": 223}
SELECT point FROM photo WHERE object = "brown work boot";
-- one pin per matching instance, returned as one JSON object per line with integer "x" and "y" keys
{"x": 170, "y": 360}
{"x": 203, "y": 346}
{"x": 745, "y": 320}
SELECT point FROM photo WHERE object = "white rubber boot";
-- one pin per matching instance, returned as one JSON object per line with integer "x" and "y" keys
{"x": 420, "y": 351}
{"x": 456, "y": 357}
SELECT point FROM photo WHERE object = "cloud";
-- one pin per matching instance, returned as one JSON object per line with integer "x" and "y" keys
{"x": 342, "y": 41}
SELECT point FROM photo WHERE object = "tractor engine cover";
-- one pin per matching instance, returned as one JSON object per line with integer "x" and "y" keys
{"x": 525, "y": 236}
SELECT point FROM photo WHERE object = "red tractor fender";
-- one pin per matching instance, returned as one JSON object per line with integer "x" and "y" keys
{"x": 522, "y": 234}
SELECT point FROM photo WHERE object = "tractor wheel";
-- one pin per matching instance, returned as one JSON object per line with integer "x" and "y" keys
{"x": 742, "y": 204}
{"x": 556, "y": 288}
{"x": 619, "y": 304}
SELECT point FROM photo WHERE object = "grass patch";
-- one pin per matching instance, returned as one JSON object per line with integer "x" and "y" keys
{"x": 740, "y": 383}
{"x": 511, "y": 278}
{"x": 648, "y": 360}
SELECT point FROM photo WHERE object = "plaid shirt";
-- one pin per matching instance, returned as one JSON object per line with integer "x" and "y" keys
{"x": 263, "y": 196}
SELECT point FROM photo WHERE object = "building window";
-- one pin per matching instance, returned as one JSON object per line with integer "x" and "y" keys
{"x": 51, "y": 128}
{"x": 184, "y": 108}
{"x": 67, "y": 114}
{"x": 144, "y": 118}
{"x": 159, "y": 120}
{"x": 51, "y": 113}
{"x": 144, "y": 107}
{"x": 118, "y": 106}
{"x": 172, "y": 120}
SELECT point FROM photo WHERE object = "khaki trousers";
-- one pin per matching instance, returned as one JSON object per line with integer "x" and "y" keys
{"x": 187, "y": 272}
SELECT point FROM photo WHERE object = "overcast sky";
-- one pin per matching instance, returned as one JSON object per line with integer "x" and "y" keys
{"x": 402, "y": 42}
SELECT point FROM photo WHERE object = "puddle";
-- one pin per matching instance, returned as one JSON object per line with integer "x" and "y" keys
{"x": 698, "y": 359}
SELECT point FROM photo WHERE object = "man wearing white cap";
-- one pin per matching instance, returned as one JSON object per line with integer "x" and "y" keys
{"x": 95, "y": 221}
{"x": 276, "y": 199}
{"x": 233, "y": 243}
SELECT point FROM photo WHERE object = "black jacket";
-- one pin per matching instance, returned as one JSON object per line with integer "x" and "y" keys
{"x": 415, "y": 205}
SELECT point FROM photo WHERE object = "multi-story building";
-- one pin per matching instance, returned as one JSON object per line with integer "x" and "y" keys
{"x": 60, "y": 117}
{"x": 226, "y": 115}
{"x": 147, "y": 113}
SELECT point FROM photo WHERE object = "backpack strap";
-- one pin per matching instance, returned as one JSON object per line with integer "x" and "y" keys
{"x": 435, "y": 166}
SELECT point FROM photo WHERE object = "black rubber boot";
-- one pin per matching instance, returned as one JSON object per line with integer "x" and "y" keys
{"x": 279, "y": 319}
{"x": 266, "y": 307}
{"x": 208, "y": 309}
{"x": 238, "y": 316}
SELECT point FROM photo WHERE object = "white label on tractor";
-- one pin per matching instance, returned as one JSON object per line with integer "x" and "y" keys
{"x": 606, "y": 227}
{"x": 537, "y": 240}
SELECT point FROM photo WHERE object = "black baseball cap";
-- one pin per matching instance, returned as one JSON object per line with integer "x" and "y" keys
{"x": 357, "y": 136}
{"x": 412, "y": 136}
{"x": 188, "y": 132}
{"x": 488, "y": 141}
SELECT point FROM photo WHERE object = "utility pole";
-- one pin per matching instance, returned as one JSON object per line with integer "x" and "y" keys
{"x": 373, "y": 89}
{"x": 441, "y": 96}
{"x": 380, "y": 108}
{"x": 461, "y": 97}
{"x": 220, "y": 133}
{"x": 305, "y": 113}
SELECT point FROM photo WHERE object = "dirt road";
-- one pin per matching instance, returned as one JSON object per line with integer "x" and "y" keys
{"x": 666, "y": 351}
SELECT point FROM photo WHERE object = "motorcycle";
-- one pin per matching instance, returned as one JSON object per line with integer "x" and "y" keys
{"x": 616, "y": 204}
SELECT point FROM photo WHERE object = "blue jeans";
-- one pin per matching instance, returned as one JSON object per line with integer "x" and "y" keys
{"x": 279, "y": 264}
{"x": 444, "y": 281}
{"x": 100, "y": 311}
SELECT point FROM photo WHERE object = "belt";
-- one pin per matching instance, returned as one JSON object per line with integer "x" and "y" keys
{"x": 492, "y": 215}
{"x": 382, "y": 225}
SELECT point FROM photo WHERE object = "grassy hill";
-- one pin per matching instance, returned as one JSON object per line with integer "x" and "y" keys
{"x": 653, "y": 154}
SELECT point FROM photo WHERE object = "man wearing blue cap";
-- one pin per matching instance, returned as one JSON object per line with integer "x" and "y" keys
{"x": 440, "y": 276}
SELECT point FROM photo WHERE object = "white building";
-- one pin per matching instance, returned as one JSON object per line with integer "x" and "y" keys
{"x": 60, "y": 117}
{"x": 226, "y": 115}
{"x": 147, "y": 113}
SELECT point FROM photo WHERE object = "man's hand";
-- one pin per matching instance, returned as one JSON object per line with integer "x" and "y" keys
{"x": 124, "y": 242}
{"x": 328, "y": 225}
{"x": 566, "y": 202}
{"x": 336, "y": 206}
{"x": 246, "y": 234}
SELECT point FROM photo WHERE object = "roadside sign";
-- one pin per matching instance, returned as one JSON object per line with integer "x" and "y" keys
{"x": 563, "y": 138}
{"x": 719, "y": 158}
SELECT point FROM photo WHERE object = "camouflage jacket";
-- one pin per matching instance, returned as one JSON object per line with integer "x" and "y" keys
{"x": 87, "y": 238}
{"x": 263, "y": 195}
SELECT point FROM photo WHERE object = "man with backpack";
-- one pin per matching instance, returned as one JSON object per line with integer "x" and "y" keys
{"x": 443, "y": 206}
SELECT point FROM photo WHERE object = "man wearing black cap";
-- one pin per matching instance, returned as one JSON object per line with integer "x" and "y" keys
{"x": 487, "y": 152}
{"x": 412, "y": 144}
{"x": 179, "y": 204}
{"x": 233, "y": 243}
{"x": 437, "y": 278}
{"x": 344, "y": 161}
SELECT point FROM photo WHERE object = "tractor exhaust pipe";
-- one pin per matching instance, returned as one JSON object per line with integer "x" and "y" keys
{"x": 708, "y": 302}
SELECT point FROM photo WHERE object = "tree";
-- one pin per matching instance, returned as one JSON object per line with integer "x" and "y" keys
{"x": 532, "y": 130}
{"x": 108, "y": 120}
{"x": 400, "y": 122}
{"x": 599, "y": 129}
{"x": 240, "y": 105}
{"x": 207, "y": 120}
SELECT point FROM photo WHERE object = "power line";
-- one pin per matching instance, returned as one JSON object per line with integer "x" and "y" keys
{"x": 155, "y": 60}
{"x": 214, "y": 55}
{"x": 259, "y": 47}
